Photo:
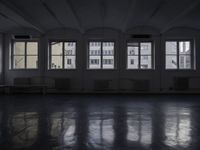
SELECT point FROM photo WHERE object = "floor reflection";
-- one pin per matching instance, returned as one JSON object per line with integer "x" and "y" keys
{"x": 23, "y": 127}
{"x": 177, "y": 127}
{"x": 108, "y": 125}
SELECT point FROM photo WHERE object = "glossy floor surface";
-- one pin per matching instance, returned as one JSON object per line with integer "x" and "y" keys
{"x": 100, "y": 122}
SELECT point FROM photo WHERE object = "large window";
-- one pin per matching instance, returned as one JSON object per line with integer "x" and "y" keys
{"x": 24, "y": 55}
{"x": 139, "y": 55}
{"x": 101, "y": 55}
{"x": 62, "y": 55}
{"x": 178, "y": 55}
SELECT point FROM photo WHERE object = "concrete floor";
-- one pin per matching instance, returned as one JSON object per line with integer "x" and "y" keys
{"x": 109, "y": 122}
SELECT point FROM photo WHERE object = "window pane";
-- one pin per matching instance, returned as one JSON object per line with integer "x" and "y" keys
{"x": 132, "y": 62}
{"x": 32, "y": 48}
{"x": 184, "y": 62}
{"x": 56, "y": 62}
{"x": 19, "y": 48}
{"x": 184, "y": 47}
{"x": 19, "y": 62}
{"x": 145, "y": 48}
{"x": 95, "y": 62}
{"x": 94, "y": 55}
{"x": 70, "y": 62}
{"x": 132, "y": 49}
{"x": 32, "y": 62}
{"x": 56, "y": 48}
{"x": 171, "y": 62}
{"x": 108, "y": 55}
{"x": 70, "y": 48}
{"x": 171, "y": 47}
{"x": 145, "y": 62}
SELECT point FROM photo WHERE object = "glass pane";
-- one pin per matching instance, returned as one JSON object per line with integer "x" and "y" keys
{"x": 171, "y": 47}
{"x": 56, "y": 62}
{"x": 19, "y": 48}
{"x": 56, "y": 48}
{"x": 70, "y": 62}
{"x": 108, "y": 62}
{"x": 132, "y": 49}
{"x": 19, "y": 62}
{"x": 32, "y": 48}
{"x": 184, "y": 47}
{"x": 132, "y": 62}
{"x": 171, "y": 62}
{"x": 94, "y": 55}
{"x": 146, "y": 62}
{"x": 32, "y": 62}
{"x": 145, "y": 48}
{"x": 94, "y": 62}
{"x": 108, "y": 55}
{"x": 70, "y": 48}
{"x": 184, "y": 62}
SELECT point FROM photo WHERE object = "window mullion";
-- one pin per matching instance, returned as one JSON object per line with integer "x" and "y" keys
{"x": 50, "y": 56}
{"x": 12, "y": 54}
{"x": 139, "y": 55}
{"x": 177, "y": 55}
{"x": 101, "y": 55}
{"x": 25, "y": 59}
{"x": 63, "y": 56}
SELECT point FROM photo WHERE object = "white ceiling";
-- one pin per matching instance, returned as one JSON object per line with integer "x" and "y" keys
{"x": 47, "y": 15}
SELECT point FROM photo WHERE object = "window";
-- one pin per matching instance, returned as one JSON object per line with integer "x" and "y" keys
{"x": 24, "y": 55}
{"x": 62, "y": 55}
{"x": 139, "y": 55}
{"x": 101, "y": 55}
{"x": 178, "y": 55}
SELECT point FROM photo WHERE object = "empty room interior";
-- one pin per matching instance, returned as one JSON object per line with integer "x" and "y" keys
{"x": 99, "y": 74}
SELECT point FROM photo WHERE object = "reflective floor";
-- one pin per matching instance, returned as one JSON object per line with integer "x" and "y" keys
{"x": 100, "y": 122}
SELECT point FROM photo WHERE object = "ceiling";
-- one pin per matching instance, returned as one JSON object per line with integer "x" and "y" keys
{"x": 82, "y": 15}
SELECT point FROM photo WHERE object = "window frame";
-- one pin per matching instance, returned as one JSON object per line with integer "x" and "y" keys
{"x": 192, "y": 54}
{"x": 139, "y": 55}
{"x": 101, "y": 67}
{"x": 63, "y": 56}
{"x": 11, "y": 57}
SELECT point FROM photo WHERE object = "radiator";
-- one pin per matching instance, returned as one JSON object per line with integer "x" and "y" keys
{"x": 62, "y": 83}
{"x": 101, "y": 85}
{"x": 141, "y": 85}
{"x": 181, "y": 83}
{"x": 22, "y": 81}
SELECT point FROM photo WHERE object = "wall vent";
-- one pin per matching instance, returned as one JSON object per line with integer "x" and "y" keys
{"x": 22, "y": 37}
{"x": 141, "y": 36}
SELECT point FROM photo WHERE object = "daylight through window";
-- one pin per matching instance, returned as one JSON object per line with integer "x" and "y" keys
{"x": 25, "y": 55}
{"x": 178, "y": 55}
{"x": 101, "y": 55}
{"x": 62, "y": 55}
{"x": 139, "y": 55}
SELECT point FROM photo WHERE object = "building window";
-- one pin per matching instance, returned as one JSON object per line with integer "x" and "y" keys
{"x": 62, "y": 55}
{"x": 139, "y": 55}
{"x": 24, "y": 55}
{"x": 101, "y": 55}
{"x": 178, "y": 55}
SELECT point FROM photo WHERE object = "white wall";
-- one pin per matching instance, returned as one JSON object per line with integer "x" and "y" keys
{"x": 83, "y": 79}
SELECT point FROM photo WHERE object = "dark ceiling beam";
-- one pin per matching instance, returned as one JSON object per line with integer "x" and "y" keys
{"x": 21, "y": 17}
{"x": 75, "y": 14}
{"x": 130, "y": 13}
{"x": 180, "y": 15}
{"x": 103, "y": 11}
{"x": 50, "y": 11}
